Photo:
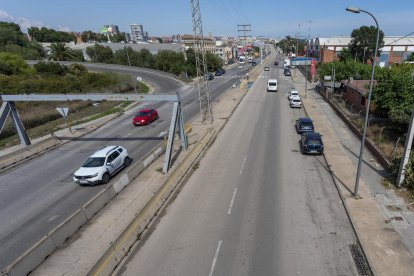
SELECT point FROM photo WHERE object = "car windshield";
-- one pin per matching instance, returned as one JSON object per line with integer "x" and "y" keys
{"x": 296, "y": 100}
{"x": 142, "y": 113}
{"x": 93, "y": 162}
{"x": 306, "y": 124}
{"x": 314, "y": 142}
{"x": 272, "y": 84}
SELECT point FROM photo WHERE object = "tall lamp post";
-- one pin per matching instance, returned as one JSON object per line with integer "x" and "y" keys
{"x": 361, "y": 152}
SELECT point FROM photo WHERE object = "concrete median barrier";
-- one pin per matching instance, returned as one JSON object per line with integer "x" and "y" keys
{"x": 148, "y": 160}
{"x": 121, "y": 246}
{"x": 67, "y": 228}
{"x": 94, "y": 205}
{"x": 31, "y": 258}
{"x": 135, "y": 170}
{"x": 56, "y": 237}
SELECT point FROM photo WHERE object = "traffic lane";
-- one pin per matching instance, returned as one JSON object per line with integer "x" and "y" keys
{"x": 287, "y": 209}
{"x": 160, "y": 81}
{"x": 184, "y": 235}
{"x": 32, "y": 208}
{"x": 267, "y": 209}
{"x": 37, "y": 200}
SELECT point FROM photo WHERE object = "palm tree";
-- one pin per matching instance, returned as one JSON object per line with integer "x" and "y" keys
{"x": 60, "y": 52}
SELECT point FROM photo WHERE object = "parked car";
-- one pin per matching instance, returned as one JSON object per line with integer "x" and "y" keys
{"x": 287, "y": 72}
{"x": 296, "y": 102}
{"x": 209, "y": 76}
{"x": 304, "y": 125}
{"x": 266, "y": 68}
{"x": 254, "y": 63}
{"x": 100, "y": 166}
{"x": 293, "y": 93}
{"x": 276, "y": 63}
{"x": 220, "y": 72}
{"x": 145, "y": 117}
{"x": 311, "y": 142}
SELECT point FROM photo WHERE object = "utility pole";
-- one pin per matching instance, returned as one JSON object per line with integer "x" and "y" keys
{"x": 407, "y": 150}
{"x": 201, "y": 64}
{"x": 245, "y": 29}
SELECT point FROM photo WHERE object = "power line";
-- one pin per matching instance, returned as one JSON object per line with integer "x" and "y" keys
{"x": 223, "y": 15}
{"x": 399, "y": 39}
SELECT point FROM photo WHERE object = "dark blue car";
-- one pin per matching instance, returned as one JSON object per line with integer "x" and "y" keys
{"x": 304, "y": 125}
{"x": 311, "y": 142}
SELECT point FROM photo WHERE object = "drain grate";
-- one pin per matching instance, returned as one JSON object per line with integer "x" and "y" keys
{"x": 360, "y": 261}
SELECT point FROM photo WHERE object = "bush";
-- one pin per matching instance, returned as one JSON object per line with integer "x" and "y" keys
{"x": 52, "y": 68}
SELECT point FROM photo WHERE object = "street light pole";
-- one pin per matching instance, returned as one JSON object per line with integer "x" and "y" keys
{"x": 361, "y": 152}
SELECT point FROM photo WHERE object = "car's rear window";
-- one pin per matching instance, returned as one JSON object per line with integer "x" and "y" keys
{"x": 306, "y": 124}
{"x": 272, "y": 84}
{"x": 93, "y": 162}
{"x": 142, "y": 113}
{"x": 314, "y": 142}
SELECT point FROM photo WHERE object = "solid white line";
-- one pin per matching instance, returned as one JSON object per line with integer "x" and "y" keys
{"x": 232, "y": 201}
{"x": 215, "y": 258}
{"x": 242, "y": 166}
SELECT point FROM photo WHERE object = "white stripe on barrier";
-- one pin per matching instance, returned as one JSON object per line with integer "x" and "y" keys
{"x": 96, "y": 203}
{"x": 121, "y": 183}
{"x": 68, "y": 227}
{"x": 32, "y": 257}
{"x": 148, "y": 160}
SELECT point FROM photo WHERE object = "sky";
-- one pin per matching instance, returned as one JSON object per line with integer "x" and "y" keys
{"x": 268, "y": 18}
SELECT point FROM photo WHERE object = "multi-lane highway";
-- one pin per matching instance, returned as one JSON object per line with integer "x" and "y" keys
{"x": 256, "y": 205}
{"x": 38, "y": 195}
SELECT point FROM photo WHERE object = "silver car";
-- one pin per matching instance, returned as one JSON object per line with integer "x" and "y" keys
{"x": 296, "y": 102}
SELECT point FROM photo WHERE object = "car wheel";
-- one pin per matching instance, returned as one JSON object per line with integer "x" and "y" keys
{"x": 127, "y": 161}
{"x": 105, "y": 178}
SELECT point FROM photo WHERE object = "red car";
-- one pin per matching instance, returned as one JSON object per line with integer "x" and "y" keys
{"x": 145, "y": 117}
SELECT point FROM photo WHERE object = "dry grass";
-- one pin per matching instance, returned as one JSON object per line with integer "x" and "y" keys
{"x": 84, "y": 112}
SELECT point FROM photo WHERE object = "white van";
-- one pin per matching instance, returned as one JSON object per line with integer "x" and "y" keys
{"x": 272, "y": 85}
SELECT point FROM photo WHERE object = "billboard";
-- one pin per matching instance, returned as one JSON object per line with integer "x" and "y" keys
{"x": 103, "y": 30}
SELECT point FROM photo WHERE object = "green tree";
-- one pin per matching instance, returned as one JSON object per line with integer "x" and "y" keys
{"x": 50, "y": 35}
{"x": 59, "y": 52}
{"x": 13, "y": 64}
{"x": 51, "y": 68}
{"x": 364, "y": 40}
{"x": 14, "y": 41}
{"x": 393, "y": 93}
{"x": 410, "y": 57}
{"x": 99, "y": 53}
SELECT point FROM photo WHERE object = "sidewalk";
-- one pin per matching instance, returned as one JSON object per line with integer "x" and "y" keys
{"x": 385, "y": 250}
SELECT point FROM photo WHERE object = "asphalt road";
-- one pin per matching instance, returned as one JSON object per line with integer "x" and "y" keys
{"x": 38, "y": 195}
{"x": 256, "y": 205}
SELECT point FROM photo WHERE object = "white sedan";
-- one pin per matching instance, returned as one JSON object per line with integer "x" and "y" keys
{"x": 296, "y": 102}
{"x": 292, "y": 94}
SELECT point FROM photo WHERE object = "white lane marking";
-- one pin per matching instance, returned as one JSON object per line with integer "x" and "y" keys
{"x": 53, "y": 218}
{"x": 215, "y": 258}
{"x": 242, "y": 166}
{"x": 232, "y": 201}
{"x": 162, "y": 133}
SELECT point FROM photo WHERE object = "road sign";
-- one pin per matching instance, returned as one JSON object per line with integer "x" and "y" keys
{"x": 139, "y": 79}
{"x": 63, "y": 111}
